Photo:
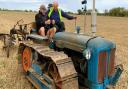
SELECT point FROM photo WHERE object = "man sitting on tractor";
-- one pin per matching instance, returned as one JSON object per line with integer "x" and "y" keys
{"x": 55, "y": 15}
{"x": 44, "y": 25}
{"x": 40, "y": 19}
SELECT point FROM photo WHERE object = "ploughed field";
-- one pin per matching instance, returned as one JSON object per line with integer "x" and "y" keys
{"x": 112, "y": 28}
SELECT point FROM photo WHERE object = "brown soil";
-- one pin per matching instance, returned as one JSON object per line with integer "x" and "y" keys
{"x": 112, "y": 28}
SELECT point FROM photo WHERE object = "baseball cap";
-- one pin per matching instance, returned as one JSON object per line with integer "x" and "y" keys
{"x": 43, "y": 7}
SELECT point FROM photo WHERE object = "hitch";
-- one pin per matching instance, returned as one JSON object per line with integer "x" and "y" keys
{"x": 118, "y": 71}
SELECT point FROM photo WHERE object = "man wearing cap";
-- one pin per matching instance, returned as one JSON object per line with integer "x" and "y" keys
{"x": 41, "y": 21}
{"x": 55, "y": 15}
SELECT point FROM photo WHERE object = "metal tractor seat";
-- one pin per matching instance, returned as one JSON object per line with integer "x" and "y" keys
{"x": 33, "y": 34}
{"x": 36, "y": 37}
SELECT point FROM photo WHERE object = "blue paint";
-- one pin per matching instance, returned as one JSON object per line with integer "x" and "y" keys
{"x": 51, "y": 45}
{"x": 41, "y": 85}
{"x": 39, "y": 72}
{"x": 116, "y": 76}
{"x": 96, "y": 86}
{"x": 37, "y": 69}
{"x": 96, "y": 45}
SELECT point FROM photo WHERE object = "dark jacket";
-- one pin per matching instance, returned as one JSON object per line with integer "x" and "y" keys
{"x": 40, "y": 20}
{"x": 55, "y": 16}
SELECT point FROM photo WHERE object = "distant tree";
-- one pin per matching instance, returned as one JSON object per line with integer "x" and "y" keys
{"x": 26, "y": 10}
{"x": 30, "y": 11}
{"x": 5, "y": 9}
{"x": 118, "y": 12}
{"x": 80, "y": 12}
{"x": 89, "y": 11}
{"x": 106, "y": 12}
{"x": 126, "y": 13}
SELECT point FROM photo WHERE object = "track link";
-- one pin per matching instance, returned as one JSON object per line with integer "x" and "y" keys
{"x": 65, "y": 68}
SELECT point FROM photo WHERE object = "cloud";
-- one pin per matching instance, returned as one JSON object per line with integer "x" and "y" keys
{"x": 68, "y": 5}
{"x": 22, "y": 4}
{"x": 22, "y": 1}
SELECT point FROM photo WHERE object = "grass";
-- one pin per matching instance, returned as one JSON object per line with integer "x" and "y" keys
{"x": 112, "y": 28}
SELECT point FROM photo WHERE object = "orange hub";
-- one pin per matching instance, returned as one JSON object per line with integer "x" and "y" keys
{"x": 26, "y": 59}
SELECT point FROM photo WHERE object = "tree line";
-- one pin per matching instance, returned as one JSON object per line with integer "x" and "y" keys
{"x": 3, "y": 9}
{"x": 118, "y": 11}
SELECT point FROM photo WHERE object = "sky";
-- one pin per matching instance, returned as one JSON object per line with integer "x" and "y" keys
{"x": 67, "y": 5}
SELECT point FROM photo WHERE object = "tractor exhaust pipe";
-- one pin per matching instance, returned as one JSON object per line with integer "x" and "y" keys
{"x": 93, "y": 24}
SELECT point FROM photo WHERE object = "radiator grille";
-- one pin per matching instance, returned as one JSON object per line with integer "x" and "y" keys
{"x": 111, "y": 62}
{"x": 102, "y": 66}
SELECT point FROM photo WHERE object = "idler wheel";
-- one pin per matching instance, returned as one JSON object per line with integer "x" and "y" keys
{"x": 26, "y": 59}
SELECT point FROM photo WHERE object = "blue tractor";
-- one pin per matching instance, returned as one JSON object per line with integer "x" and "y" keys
{"x": 71, "y": 61}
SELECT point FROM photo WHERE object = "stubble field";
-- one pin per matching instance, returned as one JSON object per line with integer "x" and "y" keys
{"x": 112, "y": 28}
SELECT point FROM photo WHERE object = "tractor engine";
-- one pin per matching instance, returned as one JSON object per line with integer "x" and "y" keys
{"x": 93, "y": 58}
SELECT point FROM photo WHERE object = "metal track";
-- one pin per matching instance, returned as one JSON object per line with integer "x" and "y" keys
{"x": 64, "y": 65}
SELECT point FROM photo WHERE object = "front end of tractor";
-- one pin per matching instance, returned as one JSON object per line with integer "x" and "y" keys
{"x": 93, "y": 58}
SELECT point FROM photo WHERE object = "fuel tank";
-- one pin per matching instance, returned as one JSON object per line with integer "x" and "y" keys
{"x": 80, "y": 42}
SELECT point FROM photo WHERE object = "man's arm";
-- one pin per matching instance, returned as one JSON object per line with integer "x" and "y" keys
{"x": 65, "y": 15}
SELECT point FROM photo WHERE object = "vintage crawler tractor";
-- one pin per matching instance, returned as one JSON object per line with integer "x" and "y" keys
{"x": 75, "y": 61}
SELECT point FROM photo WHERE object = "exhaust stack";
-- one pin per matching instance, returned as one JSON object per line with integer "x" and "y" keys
{"x": 93, "y": 24}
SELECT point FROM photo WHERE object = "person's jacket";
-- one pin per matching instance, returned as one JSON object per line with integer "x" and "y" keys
{"x": 56, "y": 15}
{"x": 40, "y": 20}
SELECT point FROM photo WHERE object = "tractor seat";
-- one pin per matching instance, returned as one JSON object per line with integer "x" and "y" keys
{"x": 37, "y": 37}
{"x": 33, "y": 33}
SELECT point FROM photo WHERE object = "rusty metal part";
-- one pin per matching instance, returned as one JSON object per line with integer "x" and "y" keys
{"x": 7, "y": 44}
{"x": 2, "y": 36}
{"x": 26, "y": 59}
{"x": 53, "y": 72}
{"x": 60, "y": 69}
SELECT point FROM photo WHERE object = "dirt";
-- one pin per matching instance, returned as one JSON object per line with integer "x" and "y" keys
{"x": 111, "y": 28}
